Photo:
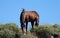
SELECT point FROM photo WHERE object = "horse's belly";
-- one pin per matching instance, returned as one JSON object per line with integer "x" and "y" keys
{"x": 28, "y": 20}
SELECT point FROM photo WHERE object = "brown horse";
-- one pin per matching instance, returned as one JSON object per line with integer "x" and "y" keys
{"x": 28, "y": 16}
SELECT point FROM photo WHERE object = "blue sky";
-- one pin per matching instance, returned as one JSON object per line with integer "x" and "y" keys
{"x": 48, "y": 10}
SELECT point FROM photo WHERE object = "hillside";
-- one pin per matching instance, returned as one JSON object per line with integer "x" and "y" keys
{"x": 11, "y": 30}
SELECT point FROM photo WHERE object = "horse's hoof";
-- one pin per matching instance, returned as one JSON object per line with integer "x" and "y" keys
{"x": 24, "y": 33}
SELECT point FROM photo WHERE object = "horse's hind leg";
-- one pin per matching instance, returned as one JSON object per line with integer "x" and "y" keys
{"x": 26, "y": 26}
{"x": 22, "y": 27}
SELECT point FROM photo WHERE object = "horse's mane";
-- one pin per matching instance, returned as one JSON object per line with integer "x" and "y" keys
{"x": 35, "y": 12}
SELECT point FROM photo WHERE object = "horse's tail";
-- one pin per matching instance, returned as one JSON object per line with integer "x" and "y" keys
{"x": 22, "y": 16}
{"x": 23, "y": 10}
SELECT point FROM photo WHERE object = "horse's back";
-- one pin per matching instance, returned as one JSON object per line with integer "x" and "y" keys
{"x": 31, "y": 15}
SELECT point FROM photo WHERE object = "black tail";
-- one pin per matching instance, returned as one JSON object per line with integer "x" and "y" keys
{"x": 22, "y": 15}
{"x": 23, "y": 10}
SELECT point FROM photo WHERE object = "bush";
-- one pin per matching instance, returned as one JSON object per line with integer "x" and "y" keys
{"x": 43, "y": 31}
{"x": 11, "y": 30}
{"x": 8, "y": 30}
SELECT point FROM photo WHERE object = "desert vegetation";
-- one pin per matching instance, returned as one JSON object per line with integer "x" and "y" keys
{"x": 11, "y": 30}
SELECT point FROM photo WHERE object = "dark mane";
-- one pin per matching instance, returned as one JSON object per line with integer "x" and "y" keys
{"x": 36, "y": 13}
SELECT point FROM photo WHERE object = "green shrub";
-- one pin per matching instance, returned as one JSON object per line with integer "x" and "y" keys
{"x": 11, "y": 30}
{"x": 8, "y": 30}
{"x": 43, "y": 31}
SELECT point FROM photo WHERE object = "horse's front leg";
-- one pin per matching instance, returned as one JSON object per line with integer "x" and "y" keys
{"x": 32, "y": 23}
{"x": 37, "y": 23}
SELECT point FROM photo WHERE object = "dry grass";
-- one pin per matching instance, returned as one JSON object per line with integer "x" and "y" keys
{"x": 28, "y": 35}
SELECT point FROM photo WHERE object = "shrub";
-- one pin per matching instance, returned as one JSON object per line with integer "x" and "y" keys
{"x": 43, "y": 31}
{"x": 8, "y": 30}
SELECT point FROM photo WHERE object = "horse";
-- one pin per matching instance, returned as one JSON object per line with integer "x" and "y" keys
{"x": 28, "y": 16}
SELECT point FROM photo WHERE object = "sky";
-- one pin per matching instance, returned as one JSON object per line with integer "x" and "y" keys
{"x": 48, "y": 10}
